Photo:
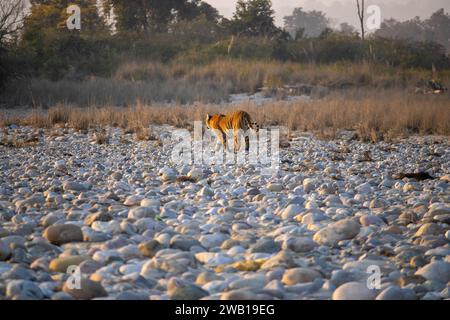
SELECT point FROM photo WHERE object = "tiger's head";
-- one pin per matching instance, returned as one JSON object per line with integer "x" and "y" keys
{"x": 211, "y": 121}
{"x": 207, "y": 120}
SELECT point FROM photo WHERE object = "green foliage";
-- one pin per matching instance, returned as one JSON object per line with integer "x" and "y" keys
{"x": 156, "y": 15}
{"x": 254, "y": 18}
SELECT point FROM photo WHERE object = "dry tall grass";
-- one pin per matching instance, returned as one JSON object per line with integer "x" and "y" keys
{"x": 151, "y": 82}
{"x": 374, "y": 115}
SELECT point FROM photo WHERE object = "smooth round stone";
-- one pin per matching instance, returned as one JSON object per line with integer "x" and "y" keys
{"x": 369, "y": 220}
{"x": 130, "y": 268}
{"x": 5, "y": 252}
{"x": 150, "y": 248}
{"x": 62, "y": 296}
{"x": 130, "y": 251}
{"x": 36, "y": 199}
{"x": 90, "y": 235}
{"x": 276, "y": 274}
{"x": 431, "y": 296}
{"x": 88, "y": 290}
{"x": 291, "y": 211}
{"x": 417, "y": 262}
{"x": 133, "y": 200}
{"x": 354, "y": 291}
{"x": 215, "y": 286}
{"x": 213, "y": 259}
{"x": 296, "y": 200}
{"x": 395, "y": 293}
{"x": 429, "y": 229}
{"x": 240, "y": 294}
{"x": 129, "y": 295}
{"x": 99, "y": 216}
{"x": 107, "y": 256}
{"x": 184, "y": 243}
{"x": 150, "y": 202}
{"x": 338, "y": 231}
{"x": 363, "y": 265}
{"x": 168, "y": 175}
{"x": 299, "y": 244}
{"x": 309, "y": 185}
{"x": 212, "y": 240}
{"x": 52, "y": 218}
{"x": 89, "y": 266}
{"x": 167, "y": 213}
{"x": 142, "y": 212}
{"x": 63, "y": 233}
{"x": 62, "y": 263}
{"x": 282, "y": 259}
{"x": 253, "y": 282}
{"x": 178, "y": 289}
{"x": 23, "y": 290}
{"x": 195, "y": 173}
{"x": 313, "y": 216}
{"x": 76, "y": 186}
{"x": 205, "y": 277}
{"x": 447, "y": 235}
{"x": 253, "y": 192}
{"x": 112, "y": 226}
{"x": 265, "y": 245}
{"x": 206, "y": 192}
{"x": 437, "y": 271}
{"x": 275, "y": 187}
{"x": 235, "y": 250}
{"x": 299, "y": 275}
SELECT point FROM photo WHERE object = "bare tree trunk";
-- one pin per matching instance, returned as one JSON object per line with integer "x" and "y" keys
{"x": 11, "y": 18}
{"x": 361, "y": 9}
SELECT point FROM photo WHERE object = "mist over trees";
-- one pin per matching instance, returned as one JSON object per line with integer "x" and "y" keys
{"x": 309, "y": 24}
{"x": 435, "y": 29}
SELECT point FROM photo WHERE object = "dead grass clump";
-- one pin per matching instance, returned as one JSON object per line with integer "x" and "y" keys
{"x": 36, "y": 118}
{"x": 145, "y": 134}
{"x": 81, "y": 120}
{"x": 58, "y": 114}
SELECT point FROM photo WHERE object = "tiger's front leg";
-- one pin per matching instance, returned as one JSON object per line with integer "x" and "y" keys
{"x": 221, "y": 136}
{"x": 236, "y": 142}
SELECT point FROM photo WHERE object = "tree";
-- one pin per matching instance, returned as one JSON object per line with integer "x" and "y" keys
{"x": 438, "y": 28}
{"x": 435, "y": 29}
{"x": 361, "y": 10}
{"x": 347, "y": 29}
{"x": 305, "y": 24}
{"x": 157, "y": 15}
{"x": 12, "y": 13}
{"x": 51, "y": 15}
{"x": 254, "y": 18}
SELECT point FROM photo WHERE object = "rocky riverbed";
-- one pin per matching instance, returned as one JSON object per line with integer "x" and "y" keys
{"x": 140, "y": 227}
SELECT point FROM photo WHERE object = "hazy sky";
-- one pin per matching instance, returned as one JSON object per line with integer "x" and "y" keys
{"x": 344, "y": 10}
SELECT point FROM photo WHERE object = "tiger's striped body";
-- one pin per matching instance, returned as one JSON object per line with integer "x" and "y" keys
{"x": 222, "y": 124}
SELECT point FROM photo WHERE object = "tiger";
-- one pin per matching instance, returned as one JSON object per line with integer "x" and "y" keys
{"x": 222, "y": 124}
